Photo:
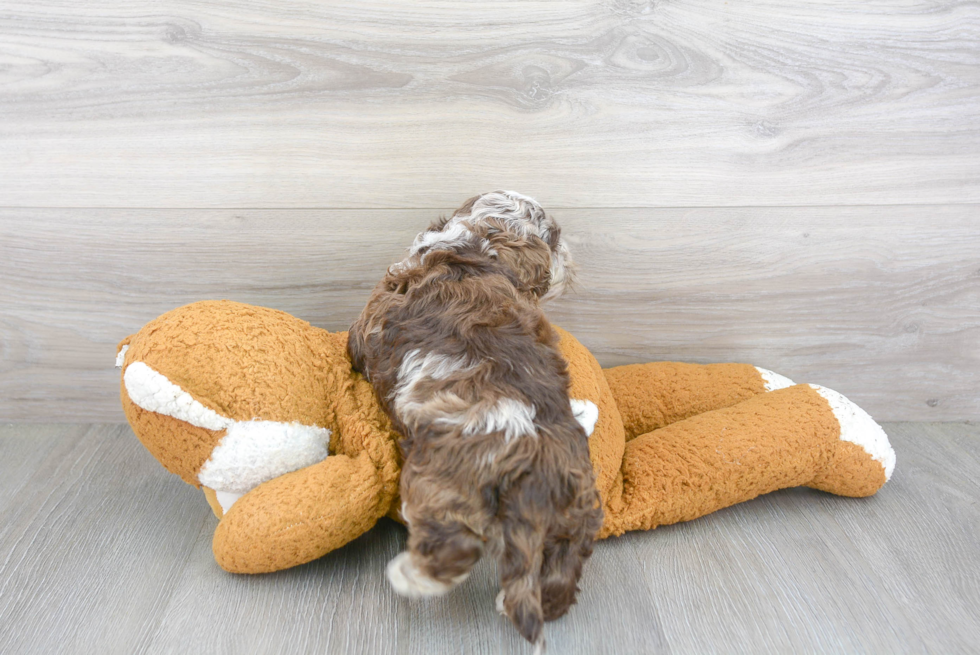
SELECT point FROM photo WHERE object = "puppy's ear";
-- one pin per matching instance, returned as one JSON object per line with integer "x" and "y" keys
{"x": 562, "y": 274}
{"x": 529, "y": 258}
{"x": 562, "y": 270}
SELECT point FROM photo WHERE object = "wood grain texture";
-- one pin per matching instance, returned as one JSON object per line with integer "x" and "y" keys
{"x": 881, "y": 305}
{"x": 102, "y": 550}
{"x": 92, "y": 539}
{"x": 805, "y": 572}
{"x": 391, "y": 103}
{"x": 338, "y": 604}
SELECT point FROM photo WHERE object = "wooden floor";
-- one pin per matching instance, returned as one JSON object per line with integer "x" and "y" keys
{"x": 101, "y": 551}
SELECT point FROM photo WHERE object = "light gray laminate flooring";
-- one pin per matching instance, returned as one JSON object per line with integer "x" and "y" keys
{"x": 102, "y": 551}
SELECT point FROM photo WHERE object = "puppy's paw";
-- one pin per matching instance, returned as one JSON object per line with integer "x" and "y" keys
{"x": 500, "y": 603}
{"x": 586, "y": 413}
{"x": 407, "y": 580}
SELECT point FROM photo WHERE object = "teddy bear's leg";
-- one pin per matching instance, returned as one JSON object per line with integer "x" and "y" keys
{"x": 300, "y": 516}
{"x": 851, "y": 470}
{"x": 651, "y": 396}
{"x": 801, "y": 435}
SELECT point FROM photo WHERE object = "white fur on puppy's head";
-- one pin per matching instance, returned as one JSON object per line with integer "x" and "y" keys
{"x": 523, "y": 216}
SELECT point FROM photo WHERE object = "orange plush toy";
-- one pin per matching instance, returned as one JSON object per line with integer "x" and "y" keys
{"x": 296, "y": 457}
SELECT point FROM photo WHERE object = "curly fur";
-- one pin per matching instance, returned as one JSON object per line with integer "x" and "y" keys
{"x": 467, "y": 366}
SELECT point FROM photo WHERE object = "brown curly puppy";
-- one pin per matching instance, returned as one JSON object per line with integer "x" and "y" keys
{"x": 466, "y": 365}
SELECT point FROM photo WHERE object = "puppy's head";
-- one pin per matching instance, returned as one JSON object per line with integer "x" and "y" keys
{"x": 514, "y": 229}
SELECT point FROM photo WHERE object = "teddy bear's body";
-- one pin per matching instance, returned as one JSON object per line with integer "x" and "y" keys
{"x": 297, "y": 457}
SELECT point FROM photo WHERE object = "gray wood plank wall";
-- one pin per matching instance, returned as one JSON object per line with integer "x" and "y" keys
{"x": 791, "y": 184}
{"x": 401, "y": 103}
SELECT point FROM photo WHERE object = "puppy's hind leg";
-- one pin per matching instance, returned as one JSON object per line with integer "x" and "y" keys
{"x": 568, "y": 544}
{"x": 440, "y": 555}
{"x": 520, "y": 568}
{"x": 560, "y": 572}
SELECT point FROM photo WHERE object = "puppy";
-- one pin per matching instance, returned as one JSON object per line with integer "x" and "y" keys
{"x": 467, "y": 367}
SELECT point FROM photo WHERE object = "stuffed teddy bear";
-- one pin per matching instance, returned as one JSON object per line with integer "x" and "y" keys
{"x": 296, "y": 456}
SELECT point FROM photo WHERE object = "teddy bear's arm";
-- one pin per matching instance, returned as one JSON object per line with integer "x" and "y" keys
{"x": 651, "y": 396}
{"x": 801, "y": 435}
{"x": 300, "y": 516}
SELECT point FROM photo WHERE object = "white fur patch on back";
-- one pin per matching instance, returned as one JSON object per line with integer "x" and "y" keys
{"x": 773, "y": 381}
{"x": 155, "y": 393}
{"x": 512, "y": 417}
{"x": 586, "y": 413}
{"x": 438, "y": 407}
{"x": 415, "y": 367}
{"x": 252, "y": 452}
{"x": 856, "y": 426}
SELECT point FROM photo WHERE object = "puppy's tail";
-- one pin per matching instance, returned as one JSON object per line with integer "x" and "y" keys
{"x": 520, "y": 564}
